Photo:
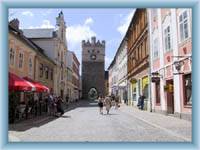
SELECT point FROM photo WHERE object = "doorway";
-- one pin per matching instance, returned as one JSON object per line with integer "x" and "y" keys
{"x": 93, "y": 94}
{"x": 170, "y": 97}
{"x": 62, "y": 94}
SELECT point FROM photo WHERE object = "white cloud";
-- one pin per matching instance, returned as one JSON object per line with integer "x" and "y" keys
{"x": 125, "y": 23}
{"x": 89, "y": 21}
{"x": 47, "y": 12}
{"x": 76, "y": 33}
{"x": 45, "y": 24}
{"x": 27, "y": 13}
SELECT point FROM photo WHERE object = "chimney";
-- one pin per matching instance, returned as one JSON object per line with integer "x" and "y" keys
{"x": 14, "y": 23}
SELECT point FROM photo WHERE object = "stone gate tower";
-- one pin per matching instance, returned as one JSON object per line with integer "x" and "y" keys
{"x": 93, "y": 61}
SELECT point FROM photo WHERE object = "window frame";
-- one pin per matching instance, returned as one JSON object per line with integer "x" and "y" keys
{"x": 13, "y": 56}
{"x": 183, "y": 22}
{"x": 19, "y": 61}
{"x": 46, "y": 72}
{"x": 157, "y": 48}
{"x": 30, "y": 71}
{"x": 41, "y": 70}
{"x": 167, "y": 38}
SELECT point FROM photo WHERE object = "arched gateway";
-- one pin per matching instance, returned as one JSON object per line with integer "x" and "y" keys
{"x": 93, "y": 94}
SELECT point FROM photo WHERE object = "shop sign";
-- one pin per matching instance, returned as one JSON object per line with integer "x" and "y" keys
{"x": 155, "y": 79}
{"x": 169, "y": 88}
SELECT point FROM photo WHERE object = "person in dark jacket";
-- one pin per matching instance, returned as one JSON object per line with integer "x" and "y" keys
{"x": 59, "y": 105}
{"x": 141, "y": 102}
{"x": 100, "y": 104}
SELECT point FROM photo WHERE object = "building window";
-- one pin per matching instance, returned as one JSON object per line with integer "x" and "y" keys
{"x": 188, "y": 89}
{"x": 62, "y": 74}
{"x": 154, "y": 14}
{"x": 21, "y": 59}
{"x": 12, "y": 56}
{"x": 46, "y": 72}
{"x": 62, "y": 35}
{"x": 30, "y": 65}
{"x": 157, "y": 92}
{"x": 139, "y": 58}
{"x": 51, "y": 74}
{"x": 136, "y": 55}
{"x": 58, "y": 56}
{"x": 167, "y": 38}
{"x": 155, "y": 48}
{"x": 41, "y": 70}
{"x": 145, "y": 48}
{"x": 183, "y": 26}
{"x": 62, "y": 57}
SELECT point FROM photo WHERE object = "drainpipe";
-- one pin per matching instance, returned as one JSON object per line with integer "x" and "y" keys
{"x": 149, "y": 41}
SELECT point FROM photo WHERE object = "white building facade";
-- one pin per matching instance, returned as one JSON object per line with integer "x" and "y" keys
{"x": 118, "y": 73}
{"x": 121, "y": 60}
{"x": 69, "y": 68}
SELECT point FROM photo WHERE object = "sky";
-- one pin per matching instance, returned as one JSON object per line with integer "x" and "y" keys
{"x": 106, "y": 24}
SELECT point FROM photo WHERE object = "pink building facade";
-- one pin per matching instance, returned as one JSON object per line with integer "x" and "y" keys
{"x": 171, "y": 61}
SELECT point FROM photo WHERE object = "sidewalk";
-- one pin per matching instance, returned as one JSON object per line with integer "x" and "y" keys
{"x": 12, "y": 138}
{"x": 39, "y": 120}
{"x": 178, "y": 126}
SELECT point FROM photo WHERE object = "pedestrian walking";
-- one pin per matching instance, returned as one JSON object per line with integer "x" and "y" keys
{"x": 141, "y": 102}
{"x": 116, "y": 102}
{"x": 100, "y": 104}
{"x": 112, "y": 97}
{"x": 67, "y": 99}
{"x": 108, "y": 104}
{"x": 50, "y": 104}
{"x": 59, "y": 105}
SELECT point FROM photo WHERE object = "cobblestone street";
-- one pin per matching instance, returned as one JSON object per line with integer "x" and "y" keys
{"x": 83, "y": 122}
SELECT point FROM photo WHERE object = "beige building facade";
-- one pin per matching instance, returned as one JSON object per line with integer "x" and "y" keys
{"x": 53, "y": 41}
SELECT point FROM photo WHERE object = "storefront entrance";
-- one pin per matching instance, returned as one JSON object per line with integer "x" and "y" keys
{"x": 170, "y": 97}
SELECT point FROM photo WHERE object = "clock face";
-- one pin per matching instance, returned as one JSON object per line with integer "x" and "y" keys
{"x": 93, "y": 57}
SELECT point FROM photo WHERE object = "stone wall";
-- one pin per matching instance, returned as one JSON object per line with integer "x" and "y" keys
{"x": 93, "y": 76}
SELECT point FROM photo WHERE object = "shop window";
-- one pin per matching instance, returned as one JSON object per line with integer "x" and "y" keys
{"x": 188, "y": 89}
{"x": 145, "y": 86}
